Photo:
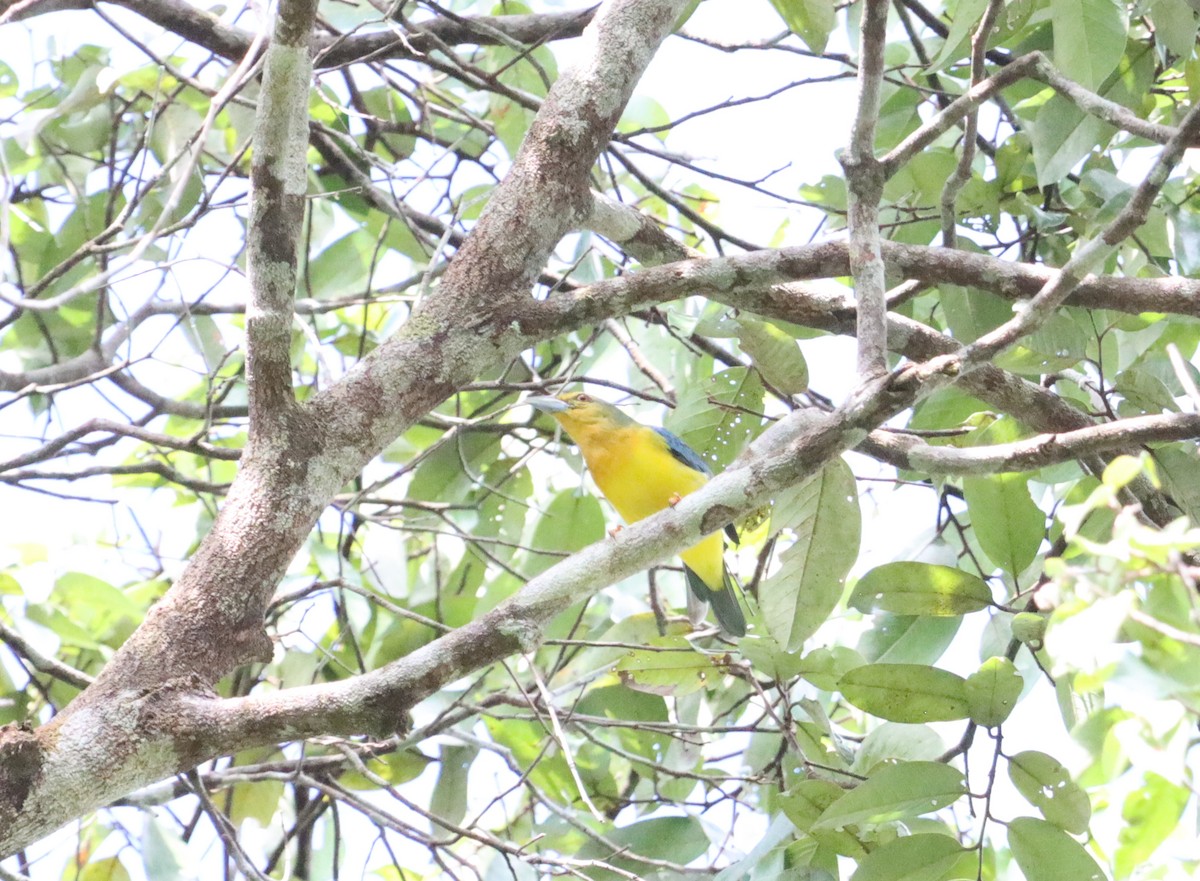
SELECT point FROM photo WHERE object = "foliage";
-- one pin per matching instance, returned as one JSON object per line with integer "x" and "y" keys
{"x": 987, "y": 673}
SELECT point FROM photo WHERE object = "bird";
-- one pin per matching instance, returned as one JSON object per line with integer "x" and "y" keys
{"x": 642, "y": 470}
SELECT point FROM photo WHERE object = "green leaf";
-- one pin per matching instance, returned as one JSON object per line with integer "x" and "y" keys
{"x": 1151, "y": 813}
{"x": 824, "y": 667}
{"x": 632, "y": 708}
{"x": 92, "y": 601}
{"x": 678, "y": 839}
{"x": 163, "y": 851}
{"x": 526, "y": 741}
{"x": 767, "y": 657}
{"x": 807, "y": 800}
{"x": 570, "y": 522}
{"x": 342, "y": 268}
{"x": 775, "y": 354}
{"x": 449, "y": 800}
{"x": 258, "y": 800}
{"x": 970, "y": 313}
{"x": 1061, "y": 136}
{"x": 811, "y": 20}
{"x": 671, "y": 666}
{"x": 803, "y": 805}
{"x": 895, "y": 792}
{"x": 1007, "y": 523}
{"x": 823, "y": 513}
{"x": 713, "y": 416}
{"x": 892, "y": 742}
{"x": 1060, "y": 343}
{"x": 392, "y": 120}
{"x": 907, "y": 639}
{"x": 920, "y": 589}
{"x": 448, "y": 472}
{"x": 1089, "y": 38}
{"x": 643, "y": 112}
{"x": 964, "y": 18}
{"x": 1046, "y": 853}
{"x": 397, "y": 767}
{"x": 1029, "y": 628}
{"x": 920, "y": 857}
{"x": 907, "y": 692}
{"x": 993, "y": 691}
{"x": 1175, "y": 25}
{"x": 1186, "y": 225}
{"x": 1048, "y": 786}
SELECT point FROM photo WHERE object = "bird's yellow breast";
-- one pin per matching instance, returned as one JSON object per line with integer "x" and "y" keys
{"x": 635, "y": 470}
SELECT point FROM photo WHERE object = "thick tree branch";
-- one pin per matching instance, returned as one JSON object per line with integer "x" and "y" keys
{"x": 378, "y": 701}
{"x": 211, "y": 619}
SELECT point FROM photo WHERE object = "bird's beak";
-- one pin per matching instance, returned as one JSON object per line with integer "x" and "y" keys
{"x": 548, "y": 405}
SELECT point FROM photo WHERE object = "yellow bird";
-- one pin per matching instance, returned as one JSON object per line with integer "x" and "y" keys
{"x": 642, "y": 470}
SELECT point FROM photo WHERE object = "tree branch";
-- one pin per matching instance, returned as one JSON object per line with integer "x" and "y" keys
{"x": 864, "y": 182}
{"x": 1036, "y": 452}
{"x": 211, "y": 619}
{"x": 206, "y": 30}
{"x": 278, "y": 181}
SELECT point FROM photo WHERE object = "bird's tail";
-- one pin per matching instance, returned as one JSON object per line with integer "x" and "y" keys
{"x": 724, "y": 602}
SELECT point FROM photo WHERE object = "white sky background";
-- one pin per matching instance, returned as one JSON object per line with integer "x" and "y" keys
{"x": 749, "y": 141}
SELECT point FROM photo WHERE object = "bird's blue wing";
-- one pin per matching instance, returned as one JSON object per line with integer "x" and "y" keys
{"x": 691, "y": 459}
{"x": 683, "y": 452}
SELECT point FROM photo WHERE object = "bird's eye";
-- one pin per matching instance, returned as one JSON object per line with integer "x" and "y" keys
{"x": 583, "y": 399}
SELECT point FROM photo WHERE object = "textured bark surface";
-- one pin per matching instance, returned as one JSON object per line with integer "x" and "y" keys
{"x": 149, "y": 714}
{"x": 152, "y": 712}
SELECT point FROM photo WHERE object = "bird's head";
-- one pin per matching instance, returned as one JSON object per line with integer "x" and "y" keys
{"x": 580, "y": 412}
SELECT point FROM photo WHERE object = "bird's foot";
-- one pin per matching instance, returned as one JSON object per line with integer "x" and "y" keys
{"x": 674, "y": 499}
{"x": 612, "y": 533}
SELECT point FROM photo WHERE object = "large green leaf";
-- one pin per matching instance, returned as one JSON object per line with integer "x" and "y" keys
{"x": 1046, "y": 853}
{"x": 892, "y": 741}
{"x": 993, "y": 690}
{"x": 677, "y": 839}
{"x": 571, "y": 522}
{"x": 449, "y": 800}
{"x": 671, "y": 665}
{"x": 1048, "y": 786}
{"x": 824, "y": 516}
{"x": 1061, "y": 136}
{"x": 775, "y": 354}
{"x": 1089, "y": 38}
{"x": 907, "y": 639}
{"x": 964, "y": 19}
{"x": 1175, "y": 24}
{"x": 894, "y": 792}
{"x": 907, "y": 692}
{"x": 920, "y": 589}
{"x": 917, "y": 857}
{"x": 1007, "y": 523}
